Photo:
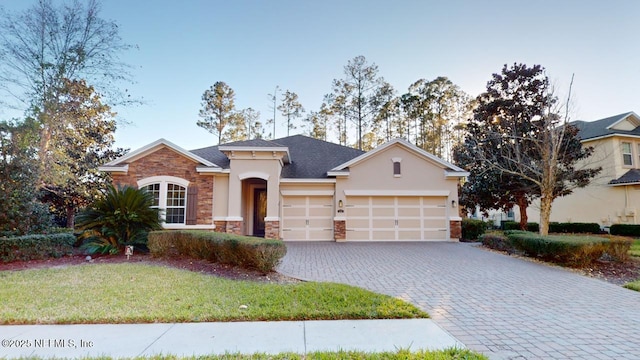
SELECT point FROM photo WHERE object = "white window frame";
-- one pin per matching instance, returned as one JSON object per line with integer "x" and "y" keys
{"x": 629, "y": 154}
{"x": 164, "y": 182}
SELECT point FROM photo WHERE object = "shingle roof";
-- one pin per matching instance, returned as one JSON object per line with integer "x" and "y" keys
{"x": 599, "y": 128}
{"x": 311, "y": 158}
{"x": 253, "y": 143}
{"x": 631, "y": 176}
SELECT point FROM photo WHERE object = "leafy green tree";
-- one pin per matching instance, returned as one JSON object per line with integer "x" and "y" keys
{"x": 517, "y": 132}
{"x": 359, "y": 86}
{"x": 435, "y": 108}
{"x": 47, "y": 44}
{"x": 219, "y": 111}
{"x": 387, "y": 119}
{"x": 81, "y": 145}
{"x": 124, "y": 216}
{"x": 291, "y": 109}
{"x": 335, "y": 105}
{"x": 317, "y": 122}
{"x": 252, "y": 123}
{"x": 21, "y": 211}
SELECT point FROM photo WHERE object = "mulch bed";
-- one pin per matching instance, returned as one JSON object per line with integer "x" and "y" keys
{"x": 201, "y": 266}
{"x": 614, "y": 272}
{"x": 610, "y": 271}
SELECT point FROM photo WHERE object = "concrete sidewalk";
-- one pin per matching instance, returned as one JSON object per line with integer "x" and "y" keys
{"x": 187, "y": 339}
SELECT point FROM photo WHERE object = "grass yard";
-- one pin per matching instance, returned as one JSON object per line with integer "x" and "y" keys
{"x": 141, "y": 293}
{"x": 343, "y": 355}
{"x": 635, "y": 248}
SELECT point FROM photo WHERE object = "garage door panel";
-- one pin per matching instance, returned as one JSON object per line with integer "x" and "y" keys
{"x": 307, "y": 218}
{"x": 404, "y": 218}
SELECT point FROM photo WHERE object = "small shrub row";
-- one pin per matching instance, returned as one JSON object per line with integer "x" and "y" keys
{"x": 574, "y": 228}
{"x": 472, "y": 229}
{"x": 556, "y": 227}
{"x": 496, "y": 240}
{"x": 514, "y": 225}
{"x": 625, "y": 230}
{"x": 574, "y": 251}
{"x": 36, "y": 247}
{"x": 247, "y": 252}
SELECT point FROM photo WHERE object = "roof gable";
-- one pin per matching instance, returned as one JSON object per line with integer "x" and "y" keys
{"x": 451, "y": 169}
{"x": 155, "y": 146}
{"x": 622, "y": 124}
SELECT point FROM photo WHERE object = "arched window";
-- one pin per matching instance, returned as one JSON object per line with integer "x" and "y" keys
{"x": 170, "y": 195}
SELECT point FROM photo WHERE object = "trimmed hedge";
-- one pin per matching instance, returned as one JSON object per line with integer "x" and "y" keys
{"x": 574, "y": 228}
{"x": 36, "y": 247}
{"x": 247, "y": 252}
{"x": 472, "y": 229}
{"x": 625, "y": 230}
{"x": 574, "y": 251}
{"x": 514, "y": 225}
{"x": 555, "y": 227}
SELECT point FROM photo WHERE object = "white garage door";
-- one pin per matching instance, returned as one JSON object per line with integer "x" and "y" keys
{"x": 396, "y": 218}
{"x": 307, "y": 218}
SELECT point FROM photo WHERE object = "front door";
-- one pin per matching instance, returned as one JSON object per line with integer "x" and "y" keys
{"x": 259, "y": 211}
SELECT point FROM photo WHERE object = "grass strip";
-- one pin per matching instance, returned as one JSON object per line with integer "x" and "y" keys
{"x": 142, "y": 293}
{"x": 402, "y": 354}
{"x": 635, "y": 248}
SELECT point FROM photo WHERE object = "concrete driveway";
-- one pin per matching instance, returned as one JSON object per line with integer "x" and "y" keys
{"x": 505, "y": 307}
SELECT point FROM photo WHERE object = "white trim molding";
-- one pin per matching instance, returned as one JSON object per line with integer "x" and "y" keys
{"x": 118, "y": 169}
{"x": 272, "y": 218}
{"x": 304, "y": 181}
{"x": 307, "y": 192}
{"x": 397, "y": 192}
{"x": 163, "y": 178}
{"x": 157, "y": 145}
{"x": 254, "y": 174}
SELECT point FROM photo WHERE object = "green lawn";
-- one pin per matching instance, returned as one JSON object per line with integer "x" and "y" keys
{"x": 139, "y": 293}
{"x": 447, "y": 354}
{"x": 635, "y": 248}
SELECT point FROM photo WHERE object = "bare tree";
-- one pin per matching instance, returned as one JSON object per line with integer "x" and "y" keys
{"x": 518, "y": 130}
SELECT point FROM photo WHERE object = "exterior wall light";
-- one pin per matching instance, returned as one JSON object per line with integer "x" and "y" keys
{"x": 453, "y": 203}
{"x": 340, "y": 204}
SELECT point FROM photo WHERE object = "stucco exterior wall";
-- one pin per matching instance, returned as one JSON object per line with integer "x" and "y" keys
{"x": 417, "y": 174}
{"x": 598, "y": 202}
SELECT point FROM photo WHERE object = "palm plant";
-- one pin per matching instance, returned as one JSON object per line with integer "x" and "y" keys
{"x": 123, "y": 217}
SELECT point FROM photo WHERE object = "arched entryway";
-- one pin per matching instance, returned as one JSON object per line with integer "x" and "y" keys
{"x": 254, "y": 200}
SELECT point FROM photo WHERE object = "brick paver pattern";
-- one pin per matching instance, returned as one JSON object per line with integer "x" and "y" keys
{"x": 502, "y": 306}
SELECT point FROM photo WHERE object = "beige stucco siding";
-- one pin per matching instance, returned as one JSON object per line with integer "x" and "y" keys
{"x": 599, "y": 202}
{"x": 266, "y": 169}
{"x": 221, "y": 196}
{"x": 417, "y": 174}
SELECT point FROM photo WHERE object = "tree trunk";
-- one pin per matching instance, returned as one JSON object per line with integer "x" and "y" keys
{"x": 71, "y": 212}
{"x": 545, "y": 213}
{"x": 524, "y": 218}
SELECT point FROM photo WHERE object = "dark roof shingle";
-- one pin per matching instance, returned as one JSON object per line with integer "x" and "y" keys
{"x": 598, "y": 128}
{"x": 310, "y": 158}
{"x": 631, "y": 176}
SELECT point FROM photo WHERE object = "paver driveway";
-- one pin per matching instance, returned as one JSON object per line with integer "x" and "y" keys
{"x": 505, "y": 307}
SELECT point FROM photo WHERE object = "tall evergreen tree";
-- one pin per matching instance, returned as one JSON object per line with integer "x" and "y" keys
{"x": 291, "y": 109}
{"x": 218, "y": 111}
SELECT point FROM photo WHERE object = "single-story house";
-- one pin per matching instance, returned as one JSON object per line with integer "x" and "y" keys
{"x": 613, "y": 196}
{"x": 299, "y": 188}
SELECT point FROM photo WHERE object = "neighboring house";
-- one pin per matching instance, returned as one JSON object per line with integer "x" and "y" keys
{"x": 613, "y": 197}
{"x": 299, "y": 188}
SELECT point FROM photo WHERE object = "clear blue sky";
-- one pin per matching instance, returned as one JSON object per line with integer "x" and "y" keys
{"x": 186, "y": 46}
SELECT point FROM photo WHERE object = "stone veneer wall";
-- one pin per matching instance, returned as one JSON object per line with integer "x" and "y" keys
{"x": 221, "y": 226}
{"x": 455, "y": 227}
{"x": 235, "y": 227}
{"x": 166, "y": 162}
{"x": 340, "y": 230}
{"x": 272, "y": 229}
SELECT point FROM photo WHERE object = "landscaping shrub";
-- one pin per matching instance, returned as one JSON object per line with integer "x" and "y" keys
{"x": 248, "y": 252}
{"x": 514, "y": 225}
{"x": 123, "y": 217}
{"x": 472, "y": 229}
{"x": 625, "y": 230}
{"x": 496, "y": 240}
{"x": 567, "y": 250}
{"x": 36, "y": 247}
{"x": 575, "y": 228}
